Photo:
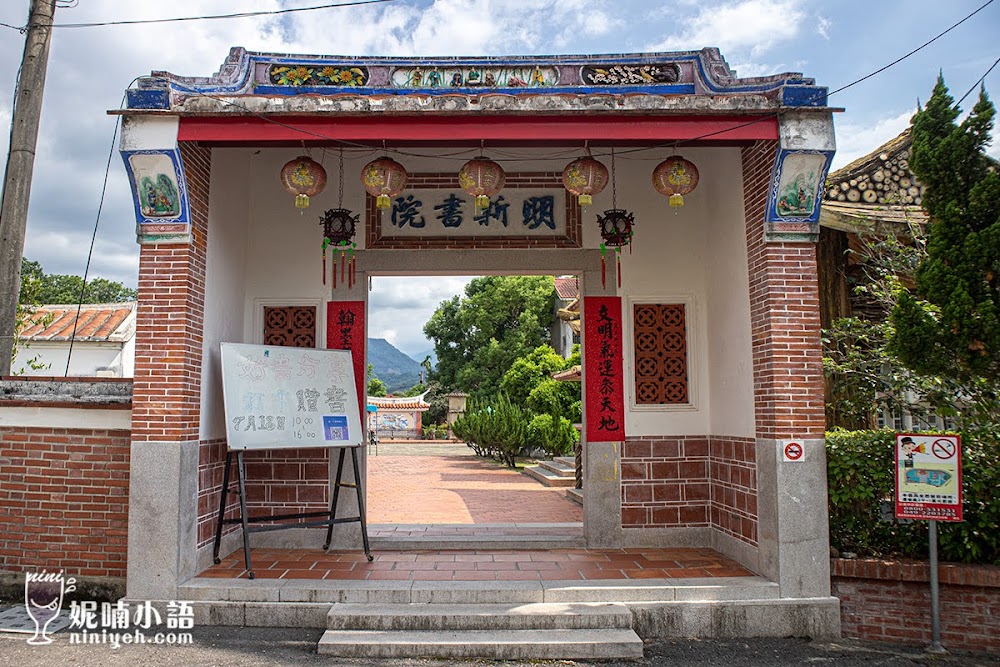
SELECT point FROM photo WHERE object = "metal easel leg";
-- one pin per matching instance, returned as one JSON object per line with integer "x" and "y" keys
{"x": 223, "y": 495}
{"x": 361, "y": 501}
{"x": 241, "y": 471}
{"x": 333, "y": 501}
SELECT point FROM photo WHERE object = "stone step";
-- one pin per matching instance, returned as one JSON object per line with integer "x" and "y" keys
{"x": 547, "y": 477}
{"x": 511, "y": 616}
{"x": 580, "y": 644}
{"x": 559, "y": 468}
{"x": 568, "y": 461}
{"x": 576, "y": 495}
{"x": 477, "y": 542}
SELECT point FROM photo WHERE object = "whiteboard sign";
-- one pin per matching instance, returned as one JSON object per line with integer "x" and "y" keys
{"x": 282, "y": 397}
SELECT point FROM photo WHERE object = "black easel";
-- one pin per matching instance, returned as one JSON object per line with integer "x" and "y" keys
{"x": 329, "y": 518}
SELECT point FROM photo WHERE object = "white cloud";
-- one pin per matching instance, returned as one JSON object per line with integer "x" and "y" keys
{"x": 855, "y": 140}
{"x": 398, "y": 308}
{"x": 756, "y": 25}
{"x": 823, "y": 26}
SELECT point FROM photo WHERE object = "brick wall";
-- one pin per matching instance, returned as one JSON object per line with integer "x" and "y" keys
{"x": 690, "y": 481}
{"x": 784, "y": 315}
{"x": 572, "y": 239}
{"x": 665, "y": 482}
{"x": 890, "y": 601}
{"x": 64, "y": 495}
{"x": 166, "y": 394}
{"x": 733, "y": 469}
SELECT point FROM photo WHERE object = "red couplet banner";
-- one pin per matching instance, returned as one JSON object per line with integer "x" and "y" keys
{"x": 345, "y": 330}
{"x": 604, "y": 368}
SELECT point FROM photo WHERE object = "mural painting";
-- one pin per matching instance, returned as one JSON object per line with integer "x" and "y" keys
{"x": 475, "y": 77}
{"x": 154, "y": 183}
{"x": 300, "y": 75}
{"x": 801, "y": 176}
{"x": 631, "y": 74}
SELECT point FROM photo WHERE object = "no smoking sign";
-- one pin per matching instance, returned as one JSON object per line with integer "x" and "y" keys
{"x": 792, "y": 450}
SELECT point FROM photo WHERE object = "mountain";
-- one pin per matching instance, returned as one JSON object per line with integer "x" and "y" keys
{"x": 427, "y": 353}
{"x": 398, "y": 371}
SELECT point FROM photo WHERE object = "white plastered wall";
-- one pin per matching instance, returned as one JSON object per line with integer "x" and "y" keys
{"x": 229, "y": 216}
{"x": 262, "y": 251}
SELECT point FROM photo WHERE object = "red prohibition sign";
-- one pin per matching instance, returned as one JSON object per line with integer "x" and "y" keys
{"x": 943, "y": 449}
{"x": 793, "y": 451}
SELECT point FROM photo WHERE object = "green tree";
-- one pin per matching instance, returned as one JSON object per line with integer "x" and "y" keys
{"x": 60, "y": 288}
{"x": 375, "y": 386}
{"x": 478, "y": 337}
{"x": 950, "y": 325}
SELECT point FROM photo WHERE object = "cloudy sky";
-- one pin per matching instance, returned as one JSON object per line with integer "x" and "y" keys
{"x": 89, "y": 69}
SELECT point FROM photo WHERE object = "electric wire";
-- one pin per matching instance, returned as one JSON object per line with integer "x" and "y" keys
{"x": 979, "y": 82}
{"x": 210, "y": 17}
{"x": 93, "y": 237}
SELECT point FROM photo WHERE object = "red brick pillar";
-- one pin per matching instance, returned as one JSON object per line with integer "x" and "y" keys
{"x": 788, "y": 394}
{"x": 166, "y": 401}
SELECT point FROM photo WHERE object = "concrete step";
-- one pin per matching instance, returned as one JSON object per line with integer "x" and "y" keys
{"x": 576, "y": 495}
{"x": 547, "y": 477}
{"x": 579, "y": 644}
{"x": 568, "y": 461}
{"x": 515, "y": 616}
{"x": 558, "y": 467}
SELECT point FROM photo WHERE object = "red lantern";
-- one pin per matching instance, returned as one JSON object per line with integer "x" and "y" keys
{"x": 482, "y": 178}
{"x": 675, "y": 177}
{"x": 304, "y": 178}
{"x": 384, "y": 178}
{"x": 584, "y": 178}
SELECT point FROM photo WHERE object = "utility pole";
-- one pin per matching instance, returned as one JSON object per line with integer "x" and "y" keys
{"x": 20, "y": 164}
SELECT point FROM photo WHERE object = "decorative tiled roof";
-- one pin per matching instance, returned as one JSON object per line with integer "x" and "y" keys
{"x": 567, "y": 287}
{"x": 572, "y": 374}
{"x": 286, "y": 83}
{"x": 400, "y": 403}
{"x": 98, "y": 322}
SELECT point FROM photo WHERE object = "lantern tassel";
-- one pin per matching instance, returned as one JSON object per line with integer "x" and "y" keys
{"x": 603, "y": 251}
{"x": 342, "y": 265}
{"x": 618, "y": 263}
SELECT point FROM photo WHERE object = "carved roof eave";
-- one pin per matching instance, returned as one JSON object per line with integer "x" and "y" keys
{"x": 487, "y": 103}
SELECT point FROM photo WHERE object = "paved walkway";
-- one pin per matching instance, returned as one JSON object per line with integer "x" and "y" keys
{"x": 445, "y": 483}
{"x": 482, "y": 565}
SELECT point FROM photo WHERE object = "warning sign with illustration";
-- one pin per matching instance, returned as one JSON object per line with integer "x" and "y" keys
{"x": 281, "y": 397}
{"x": 928, "y": 477}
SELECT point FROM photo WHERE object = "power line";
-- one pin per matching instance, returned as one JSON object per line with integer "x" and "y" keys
{"x": 981, "y": 79}
{"x": 238, "y": 15}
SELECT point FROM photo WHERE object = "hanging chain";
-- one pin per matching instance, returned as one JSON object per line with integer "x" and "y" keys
{"x": 340, "y": 192}
{"x": 614, "y": 182}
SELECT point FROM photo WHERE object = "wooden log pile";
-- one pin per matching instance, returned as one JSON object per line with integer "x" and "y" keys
{"x": 888, "y": 180}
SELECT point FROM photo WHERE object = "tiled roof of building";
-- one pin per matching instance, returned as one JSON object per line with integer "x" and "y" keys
{"x": 567, "y": 287}
{"x": 101, "y": 322}
{"x": 406, "y": 403}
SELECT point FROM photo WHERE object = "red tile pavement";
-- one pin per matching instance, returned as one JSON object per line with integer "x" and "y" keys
{"x": 460, "y": 489}
{"x": 480, "y": 565}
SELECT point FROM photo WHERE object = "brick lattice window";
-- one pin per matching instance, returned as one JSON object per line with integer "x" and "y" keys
{"x": 661, "y": 363}
{"x": 290, "y": 326}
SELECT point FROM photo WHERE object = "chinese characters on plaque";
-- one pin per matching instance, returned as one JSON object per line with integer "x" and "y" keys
{"x": 604, "y": 373}
{"x": 345, "y": 330}
{"x": 445, "y": 212}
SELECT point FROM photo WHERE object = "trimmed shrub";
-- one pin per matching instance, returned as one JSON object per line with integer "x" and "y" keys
{"x": 861, "y": 477}
{"x": 553, "y": 435}
{"x": 493, "y": 428}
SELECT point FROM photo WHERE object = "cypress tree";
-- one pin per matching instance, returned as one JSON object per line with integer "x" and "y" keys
{"x": 950, "y": 324}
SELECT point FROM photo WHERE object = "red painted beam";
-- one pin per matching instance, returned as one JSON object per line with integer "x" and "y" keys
{"x": 433, "y": 129}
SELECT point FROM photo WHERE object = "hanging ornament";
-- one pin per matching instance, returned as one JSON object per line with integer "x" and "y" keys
{"x": 339, "y": 227}
{"x": 675, "y": 177}
{"x": 482, "y": 178}
{"x": 304, "y": 178}
{"x": 384, "y": 178}
{"x": 585, "y": 177}
{"x": 616, "y": 228}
